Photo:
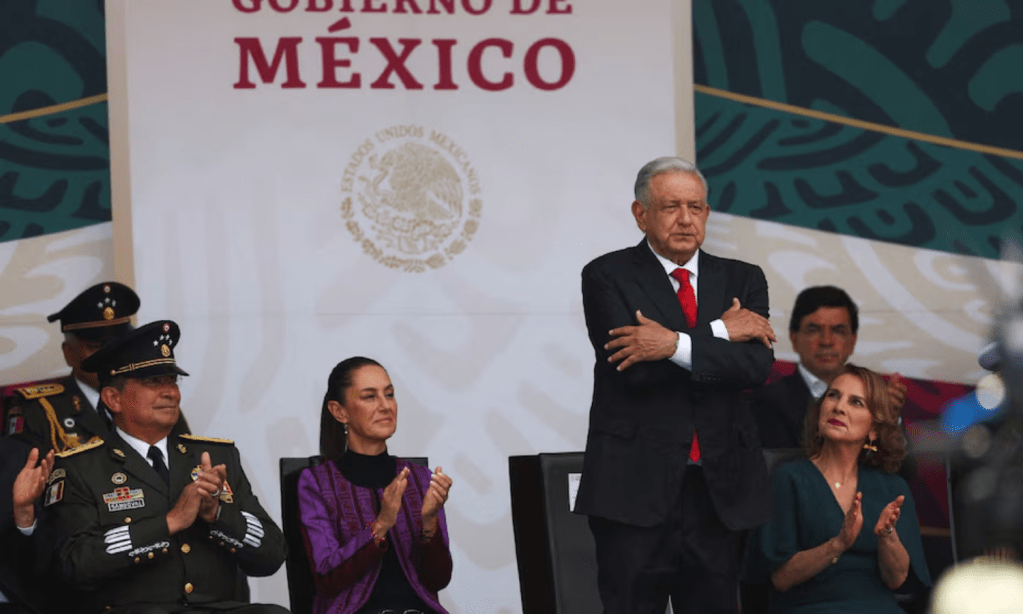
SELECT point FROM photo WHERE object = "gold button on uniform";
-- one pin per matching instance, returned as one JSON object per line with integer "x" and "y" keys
{"x": 188, "y": 587}
{"x": 137, "y": 559}
{"x": 186, "y": 548}
{"x": 233, "y": 550}
{"x": 151, "y": 555}
{"x": 127, "y": 519}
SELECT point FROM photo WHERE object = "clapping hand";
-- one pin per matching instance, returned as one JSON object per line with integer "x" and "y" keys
{"x": 852, "y": 524}
{"x": 897, "y": 392}
{"x": 29, "y": 486}
{"x": 436, "y": 496}
{"x": 211, "y": 483}
{"x": 390, "y": 504}
{"x": 889, "y": 516}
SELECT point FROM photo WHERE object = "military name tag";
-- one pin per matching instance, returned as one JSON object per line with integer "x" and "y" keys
{"x": 124, "y": 499}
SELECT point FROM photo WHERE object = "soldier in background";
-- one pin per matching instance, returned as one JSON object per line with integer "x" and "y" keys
{"x": 63, "y": 413}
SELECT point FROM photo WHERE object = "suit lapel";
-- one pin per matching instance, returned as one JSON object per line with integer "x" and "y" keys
{"x": 135, "y": 464}
{"x": 711, "y": 291}
{"x": 651, "y": 278}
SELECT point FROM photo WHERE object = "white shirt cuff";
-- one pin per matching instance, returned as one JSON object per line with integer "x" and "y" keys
{"x": 28, "y": 532}
{"x": 683, "y": 356}
{"x": 719, "y": 329}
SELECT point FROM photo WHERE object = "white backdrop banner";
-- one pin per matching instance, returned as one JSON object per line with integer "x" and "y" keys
{"x": 420, "y": 182}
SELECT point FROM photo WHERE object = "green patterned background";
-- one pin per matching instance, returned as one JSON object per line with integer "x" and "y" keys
{"x": 54, "y": 169}
{"x": 949, "y": 68}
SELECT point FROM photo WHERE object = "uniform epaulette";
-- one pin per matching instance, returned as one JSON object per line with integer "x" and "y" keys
{"x": 207, "y": 439}
{"x": 82, "y": 448}
{"x": 40, "y": 390}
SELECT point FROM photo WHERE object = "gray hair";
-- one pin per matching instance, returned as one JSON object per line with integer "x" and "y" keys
{"x": 666, "y": 164}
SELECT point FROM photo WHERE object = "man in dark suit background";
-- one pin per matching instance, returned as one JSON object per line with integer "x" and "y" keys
{"x": 822, "y": 329}
{"x": 673, "y": 471}
{"x": 25, "y": 543}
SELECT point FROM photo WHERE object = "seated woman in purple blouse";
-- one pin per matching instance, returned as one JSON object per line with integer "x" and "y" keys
{"x": 373, "y": 524}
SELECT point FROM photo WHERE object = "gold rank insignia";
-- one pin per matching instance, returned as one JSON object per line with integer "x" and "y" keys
{"x": 118, "y": 452}
{"x": 55, "y": 475}
{"x": 42, "y": 390}
{"x": 182, "y": 448}
{"x": 82, "y": 448}
{"x": 209, "y": 439}
{"x": 108, "y": 313}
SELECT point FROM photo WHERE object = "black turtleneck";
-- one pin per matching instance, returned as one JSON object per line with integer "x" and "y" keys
{"x": 392, "y": 589}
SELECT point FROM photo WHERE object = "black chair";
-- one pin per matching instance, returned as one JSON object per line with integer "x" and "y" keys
{"x": 755, "y": 589}
{"x": 301, "y": 587}
{"x": 554, "y": 547}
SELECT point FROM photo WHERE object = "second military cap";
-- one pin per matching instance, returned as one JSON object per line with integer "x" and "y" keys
{"x": 100, "y": 312}
{"x": 146, "y": 351}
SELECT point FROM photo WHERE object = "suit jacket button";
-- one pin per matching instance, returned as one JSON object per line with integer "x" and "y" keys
{"x": 188, "y": 587}
{"x": 185, "y": 548}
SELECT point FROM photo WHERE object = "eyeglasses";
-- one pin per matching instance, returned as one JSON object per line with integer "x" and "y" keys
{"x": 159, "y": 381}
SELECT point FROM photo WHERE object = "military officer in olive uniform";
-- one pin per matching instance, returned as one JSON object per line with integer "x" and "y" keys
{"x": 61, "y": 414}
{"x": 158, "y": 521}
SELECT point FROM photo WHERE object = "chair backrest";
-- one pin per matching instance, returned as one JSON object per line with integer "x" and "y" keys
{"x": 755, "y": 589}
{"x": 553, "y": 546}
{"x": 301, "y": 587}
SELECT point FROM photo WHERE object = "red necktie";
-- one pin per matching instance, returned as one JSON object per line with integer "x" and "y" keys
{"x": 687, "y": 299}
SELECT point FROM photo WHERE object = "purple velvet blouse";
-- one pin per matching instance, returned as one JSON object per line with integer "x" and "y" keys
{"x": 336, "y": 516}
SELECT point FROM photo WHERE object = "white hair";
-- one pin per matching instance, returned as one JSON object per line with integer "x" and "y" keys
{"x": 666, "y": 164}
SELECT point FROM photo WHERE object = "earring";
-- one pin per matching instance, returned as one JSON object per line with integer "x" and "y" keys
{"x": 870, "y": 446}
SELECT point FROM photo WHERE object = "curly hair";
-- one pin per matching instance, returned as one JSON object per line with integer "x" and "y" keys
{"x": 333, "y": 435}
{"x": 891, "y": 444}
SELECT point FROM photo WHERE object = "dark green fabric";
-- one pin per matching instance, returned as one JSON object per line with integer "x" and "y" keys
{"x": 948, "y": 68}
{"x": 54, "y": 169}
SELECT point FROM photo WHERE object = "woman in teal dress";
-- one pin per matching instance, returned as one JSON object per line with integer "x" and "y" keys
{"x": 844, "y": 536}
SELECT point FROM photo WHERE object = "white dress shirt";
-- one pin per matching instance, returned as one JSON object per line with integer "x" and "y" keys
{"x": 683, "y": 356}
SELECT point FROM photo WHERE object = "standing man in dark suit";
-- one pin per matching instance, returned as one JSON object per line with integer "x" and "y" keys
{"x": 158, "y": 521}
{"x": 25, "y": 543}
{"x": 62, "y": 414}
{"x": 673, "y": 471}
{"x": 822, "y": 329}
